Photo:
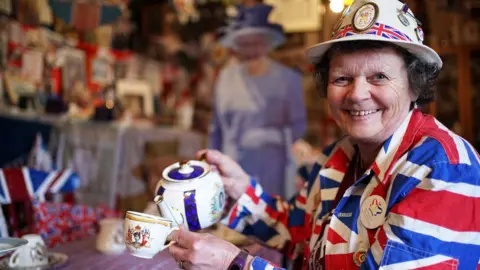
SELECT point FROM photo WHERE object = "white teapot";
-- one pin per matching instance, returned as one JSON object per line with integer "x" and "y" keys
{"x": 190, "y": 193}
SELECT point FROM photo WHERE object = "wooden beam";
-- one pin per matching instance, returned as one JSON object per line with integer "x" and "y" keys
{"x": 465, "y": 94}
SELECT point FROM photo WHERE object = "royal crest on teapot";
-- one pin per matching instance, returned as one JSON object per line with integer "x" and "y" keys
{"x": 190, "y": 193}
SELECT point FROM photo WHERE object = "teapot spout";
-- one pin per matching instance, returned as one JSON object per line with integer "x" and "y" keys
{"x": 167, "y": 211}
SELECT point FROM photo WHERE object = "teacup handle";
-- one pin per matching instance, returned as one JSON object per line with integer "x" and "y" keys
{"x": 171, "y": 242}
{"x": 13, "y": 262}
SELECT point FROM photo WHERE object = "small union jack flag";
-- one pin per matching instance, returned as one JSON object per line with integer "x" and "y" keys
{"x": 20, "y": 184}
{"x": 378, "y": 29}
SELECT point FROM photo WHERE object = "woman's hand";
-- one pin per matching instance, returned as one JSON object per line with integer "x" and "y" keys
{"x": 234, "y": 178}
{"x": 202, "y": 251}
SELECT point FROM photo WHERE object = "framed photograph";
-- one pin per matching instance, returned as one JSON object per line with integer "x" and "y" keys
{"x": 136, "y": 96}
{"x": 102, "y": 70}
{"x": 73, "y": 71}
{"x": 52, "y": 42}
{"x": 32, "y": 65}
{"x": 18, "y": 89}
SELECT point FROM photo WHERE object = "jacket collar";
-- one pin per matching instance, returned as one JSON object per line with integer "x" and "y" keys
{"x": 393, "y": 148}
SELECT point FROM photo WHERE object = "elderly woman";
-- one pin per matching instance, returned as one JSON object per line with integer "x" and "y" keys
{"x": 258, "y": 109}
{"x": 399, "y": 191}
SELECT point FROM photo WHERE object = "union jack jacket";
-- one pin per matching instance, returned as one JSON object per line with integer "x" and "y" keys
{"x": 431, "y": 179}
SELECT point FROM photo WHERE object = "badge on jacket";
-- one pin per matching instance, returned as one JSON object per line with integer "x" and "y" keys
{"x": 373, "y": 211}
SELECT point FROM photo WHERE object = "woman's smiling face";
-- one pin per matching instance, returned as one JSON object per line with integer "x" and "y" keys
{"x": 368, "y": 93}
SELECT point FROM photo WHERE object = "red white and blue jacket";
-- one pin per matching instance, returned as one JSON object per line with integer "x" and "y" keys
{"x": 431, "y": 179}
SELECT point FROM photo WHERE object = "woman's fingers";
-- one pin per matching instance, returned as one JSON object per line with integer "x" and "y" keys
{"x": 201, "y": 251}
{"x": 211, "y": 156}
{"x": 183, "y": 237}
{"x": 200, "y": 155}
{"x": 234, "y": 178}
{"x": 179, "y": 253}
{"x": 187, "y": 265}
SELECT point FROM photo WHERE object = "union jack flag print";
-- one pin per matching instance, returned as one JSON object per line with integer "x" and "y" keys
{"x": 20, "y": 184}
{"x": 378, "y": 29}
{"x": 430, "y": 180}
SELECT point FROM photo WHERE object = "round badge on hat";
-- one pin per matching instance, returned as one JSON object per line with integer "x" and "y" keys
{"x": 365, "y": 17}
{"x": 403, "y": 19}
{"x": 419, "y": 32}
{"x": 372, "y": 211}
{"x": 360, "y": 256}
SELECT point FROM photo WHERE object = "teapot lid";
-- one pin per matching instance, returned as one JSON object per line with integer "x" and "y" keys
{"x": 185, "y": 170}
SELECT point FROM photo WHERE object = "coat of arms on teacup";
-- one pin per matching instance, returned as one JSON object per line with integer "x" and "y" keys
{"x": 138, "y": 237}
{"x": 145, "y": 235}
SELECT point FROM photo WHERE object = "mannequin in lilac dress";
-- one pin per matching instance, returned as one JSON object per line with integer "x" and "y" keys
{"x": 259, "y": 109}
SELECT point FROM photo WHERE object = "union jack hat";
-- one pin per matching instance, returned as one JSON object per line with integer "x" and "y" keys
{"x": 380, "y": 20}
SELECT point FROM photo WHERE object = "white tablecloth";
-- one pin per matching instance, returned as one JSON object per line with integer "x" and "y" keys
{"x": 104, "y": 156}
{"x": 93, "y": 151}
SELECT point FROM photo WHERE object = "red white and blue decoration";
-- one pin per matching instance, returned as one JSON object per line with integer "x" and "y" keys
{"x": 378, "y": 29}
{"x": 60, "y": 223}
{"x": 420, "y": 35}
{"x": 22, "y": 184}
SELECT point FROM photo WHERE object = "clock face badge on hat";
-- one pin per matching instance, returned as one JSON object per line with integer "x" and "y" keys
{"x": 365, "y": 17}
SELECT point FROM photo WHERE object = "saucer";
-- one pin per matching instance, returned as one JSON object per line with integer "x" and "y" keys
{"x": 8, "y": 244}
{"x": 54, "y": 259}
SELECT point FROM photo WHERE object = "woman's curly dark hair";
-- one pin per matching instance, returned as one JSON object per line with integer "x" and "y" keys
{"x": 421, "y": 74}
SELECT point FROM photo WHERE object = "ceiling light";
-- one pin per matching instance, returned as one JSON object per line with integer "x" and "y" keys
{"x": 336, "y": 6}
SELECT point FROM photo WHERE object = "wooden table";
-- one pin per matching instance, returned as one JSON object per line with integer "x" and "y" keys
{"x": 83, "y": 256}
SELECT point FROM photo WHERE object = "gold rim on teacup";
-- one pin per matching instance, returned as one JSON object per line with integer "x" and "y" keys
{"x": 137, "y": 216}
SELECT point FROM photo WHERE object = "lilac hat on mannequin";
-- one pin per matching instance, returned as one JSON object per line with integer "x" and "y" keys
{"x": 252, "y": 20}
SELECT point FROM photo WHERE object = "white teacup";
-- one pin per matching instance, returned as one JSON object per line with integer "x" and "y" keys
{"x": 33, "y": 254}
{"x": 145, "y": 234}
{"x": 110, "y": 239}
